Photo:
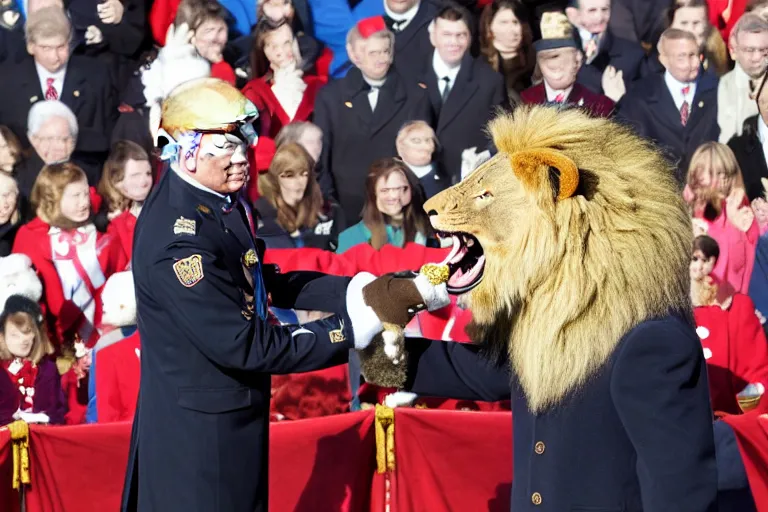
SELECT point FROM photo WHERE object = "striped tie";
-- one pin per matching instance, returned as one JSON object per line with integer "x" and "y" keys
{"x": 50, "y": 92}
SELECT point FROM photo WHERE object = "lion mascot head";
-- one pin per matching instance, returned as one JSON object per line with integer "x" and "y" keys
{"x": 571, "y": 235}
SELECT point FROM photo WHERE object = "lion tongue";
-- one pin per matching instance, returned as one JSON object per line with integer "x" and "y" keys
{"x": 460, "y": 279}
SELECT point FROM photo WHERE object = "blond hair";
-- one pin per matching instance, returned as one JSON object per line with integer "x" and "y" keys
{"x": 410, "y": 126}
{"x": 41, "y": 346}
{"x": 716, "y": 159}
{"x": 49, "y": 189}
{"x": 47, "y": 22}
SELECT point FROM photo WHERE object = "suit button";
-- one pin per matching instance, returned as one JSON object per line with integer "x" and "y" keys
{"x": 536, "y": 498}
{"x": 539, "y": 448}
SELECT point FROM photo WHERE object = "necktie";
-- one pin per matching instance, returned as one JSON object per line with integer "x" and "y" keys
{"x": 393, "y": 24}
{"x": 50, "y": 92}
{"x": 559, "y": 98}
{"x": 373, "y": 97}
{"x": 685, "y": 109}
{"x": 590, "y": 49}
{"x": 446, "y": 88}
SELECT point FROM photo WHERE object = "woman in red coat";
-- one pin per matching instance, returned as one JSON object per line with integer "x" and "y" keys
{"x": 279, "y": 90}
{"x": 72, "y": 258}
{"x": 125, "y": 184}
{"x": 731, "y": 335}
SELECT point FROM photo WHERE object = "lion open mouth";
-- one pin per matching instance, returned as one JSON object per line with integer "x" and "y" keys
{"x": 465, "y": 262}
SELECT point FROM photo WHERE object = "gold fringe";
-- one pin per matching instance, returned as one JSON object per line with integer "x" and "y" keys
{"x": 385, "y": 438}
{"x": 20, "y": 437}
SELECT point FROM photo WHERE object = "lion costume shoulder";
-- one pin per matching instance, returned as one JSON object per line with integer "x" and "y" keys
{"x": 585, "y": 235}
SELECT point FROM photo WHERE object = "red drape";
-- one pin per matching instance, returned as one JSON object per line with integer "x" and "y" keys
{"x": 9, "y": 499}
{"x": 452, "y": 461}
{"x": 751, "y": 431}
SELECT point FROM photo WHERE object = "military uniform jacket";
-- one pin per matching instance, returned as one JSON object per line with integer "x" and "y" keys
{"x": 354, "y": 136}
{"x": 201, "y": 430}
{"x": 636, "y": 438}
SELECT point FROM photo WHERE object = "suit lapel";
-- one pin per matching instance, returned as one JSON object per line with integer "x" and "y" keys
{"x": 463, "y": 89}
{"x": 665, "y": 107}
{"x": 392, "y": 97}
{"x": 429, "y": 78}
{"x": 356, "y": 97}
{"x": 30, "y": 82}
{"x": 419, "y": 20}
{"x": 705, "y": 84}
{"x": 73, "y": 81}
{"x": 537, "y": 94}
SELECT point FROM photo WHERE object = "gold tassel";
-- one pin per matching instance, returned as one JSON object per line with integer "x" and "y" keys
{"x": 385, "y": 438}
{"x": 20, "y": 437}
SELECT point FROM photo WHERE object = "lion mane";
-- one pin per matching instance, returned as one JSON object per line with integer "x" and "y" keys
{"x": 585, "y": 235}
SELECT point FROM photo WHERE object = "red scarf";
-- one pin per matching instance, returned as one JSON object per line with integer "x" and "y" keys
{"x": 22, "y": 373}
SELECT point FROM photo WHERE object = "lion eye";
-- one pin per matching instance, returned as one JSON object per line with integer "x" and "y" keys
{"x": 484, "y": 195}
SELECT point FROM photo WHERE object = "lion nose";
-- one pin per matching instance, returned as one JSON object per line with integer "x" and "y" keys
{"x": 430, "y": 213}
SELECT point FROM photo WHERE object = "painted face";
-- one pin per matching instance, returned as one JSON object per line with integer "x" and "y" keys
{"x": 9, "y": 194}
{"x": 277, "y": 10}
{"x": 594, "y": 15}
{"x": 278, "y": 47}
{"x": 312, "y": 140}
{"x": 393, "y": 193}
{"x": 450, "y": 39}
{"x": 701, "y": 266}
{"x": 681, "y": 58}
{"x": 751, "y": 51}
{"x": 76, "y": 201}
{"x": 6, "y": 158}
{"x": 52, "y": 53}
{"x": 693, "y": 20}
{"x": 53, "y": 141}
{"x": 19, "y": 343}
{"x": 293, "y": 184}
{"x": 210, "y": 38}
{"x": 507, "y": 31}
{"x": 373, "y": 56}
{"x": 559, "y": 67}
{"x": 137, "y": 180}
{"x": 417, "y": 147}
{"x": 220, "y": 163}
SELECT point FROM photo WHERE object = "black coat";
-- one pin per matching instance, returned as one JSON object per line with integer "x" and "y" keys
{"x": 88, "y": 90}
{"x": 624, "y": 55}
{"x": 353, "y": 136}
{"x": 200, "y": 436}
{"x": 471, "y": 103}
{"x": 749, "y": 153}
{"x": 637, "y": 437}
{"x": 650, "y": 109}
{"x": 325, "y": 234}
{"x": 412, "y": 46}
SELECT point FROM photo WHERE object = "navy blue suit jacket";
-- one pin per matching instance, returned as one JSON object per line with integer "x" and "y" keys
{"x": 636, "y": 438}
{"x": 626, "y": 56}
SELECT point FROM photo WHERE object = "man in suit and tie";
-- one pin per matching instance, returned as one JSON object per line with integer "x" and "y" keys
{"x": 559, "y": 60}
{"x": 409, "y": 21}
{"x": 361, "y": 114}
{"x": 601, "y": 47}
{"x": 751, "y": 147}
{"x": 464, "y": 91}
{"x": 50, "y": 73}
{"x": 676, "y": 109}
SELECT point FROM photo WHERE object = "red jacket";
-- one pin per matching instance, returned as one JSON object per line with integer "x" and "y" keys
{"x": 76, "y": 394}
{"x": 597, "y": 104}
{"x": 118, "y": 372}
{"x": 735, "y": 349}
{"x": 63, "y": 316}
{"x": 122, "y": 228}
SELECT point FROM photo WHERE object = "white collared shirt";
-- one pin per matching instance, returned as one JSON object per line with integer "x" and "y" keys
{"x": 373, "y": 94}
{"x": 194, "y": 182}
{"x": 420, "y": 170}
{"x": 58, "y": 78}
{"x": 552, "y": 93}
{"x": 676, "y": 90}
{"x": 403, "y": 19}
{"x": 762, "y": 134}
{"x": 442, "y": 70}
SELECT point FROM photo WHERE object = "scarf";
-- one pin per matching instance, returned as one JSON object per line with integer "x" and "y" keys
{"x": 22, "y": 373}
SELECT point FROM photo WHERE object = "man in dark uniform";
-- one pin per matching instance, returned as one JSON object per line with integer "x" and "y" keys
{"x": 201, "y": 430}
{"x": 361, "y": 114}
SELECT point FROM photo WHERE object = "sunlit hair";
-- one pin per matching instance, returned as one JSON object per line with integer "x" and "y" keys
{"x": 114, "y": 173}
{"x": 718, "y": 162}
{"x": 49, "y": 189}
{"x": 292, "y": 132}
{"x": 715, "y": 51}
{"x": 41, "y": 346}
{"x": 196, "y": 12}
{"x": 411, "y": 126}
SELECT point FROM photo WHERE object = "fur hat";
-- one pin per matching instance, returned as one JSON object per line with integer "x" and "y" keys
{"x": 20, "y": 304}
{"x": 17, "y": 277}
{"x": 119, "y": 300}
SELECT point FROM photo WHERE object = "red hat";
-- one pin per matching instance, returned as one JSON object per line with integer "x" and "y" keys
{"x": 369, "y": 26}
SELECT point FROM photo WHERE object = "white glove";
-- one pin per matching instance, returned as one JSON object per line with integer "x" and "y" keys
{"x": 110, "y": 12}
{"x": 34, "y": 417}
{"x": 471, "y": 160}
{"x": 400, "y": 399}
{"x": 93, "y": 35}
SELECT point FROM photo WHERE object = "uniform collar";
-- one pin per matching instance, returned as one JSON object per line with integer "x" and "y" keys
{"x": 193, "y": 182}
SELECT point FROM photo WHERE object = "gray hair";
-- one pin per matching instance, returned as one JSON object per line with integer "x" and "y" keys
{"x": 750, "y": 23}
{"x": 42, "y": 111}
{"x": 47, "y": 22}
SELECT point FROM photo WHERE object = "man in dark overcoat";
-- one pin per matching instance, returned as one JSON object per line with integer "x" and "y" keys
{"x": 361, "y": 114}
{"x": 201, "y": 430}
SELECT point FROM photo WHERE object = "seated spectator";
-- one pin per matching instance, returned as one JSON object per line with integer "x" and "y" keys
{"x": 737, "y": 90}
{"x": 24, "y": 348}
{"x": 10, "y": 150}
{"x": 291, "y": 209}
{"x": 74, "y": 384}
{"x": 114, "y": 387}
{"x": 416, "y": 146}
{"x": 506, "y": 43}
{"x": 602, "y": 48}
{"x": 208, "y": 25}
{"x": 125, "y": 184}
{"x": 715, "y": 194}
{"x": 731, "y": 335}
{"x": 559, "y": 61}
{"x": 304, "y": 133}
{"x": 71, "y": 257}
{"x": 677, "y": 109}
{"x": 361, "y": 114}
{"x": 10, "y": 212}
{"x": 693, "y": 16}
{"x": 393, "y": 212}
{"x": 49, "y": 73}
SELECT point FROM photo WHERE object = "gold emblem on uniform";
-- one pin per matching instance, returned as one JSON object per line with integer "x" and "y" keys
{"x": 250, "y": 258}
{"x": 189, "y": 271}
{"x": 203, "y": 209}
{"x": 337, "y": 336}
{"x": 348, "y": 104}
{"x": 184, "y": 226}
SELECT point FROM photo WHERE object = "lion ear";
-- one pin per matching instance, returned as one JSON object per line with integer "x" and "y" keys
{"x": 534, "y": 166}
